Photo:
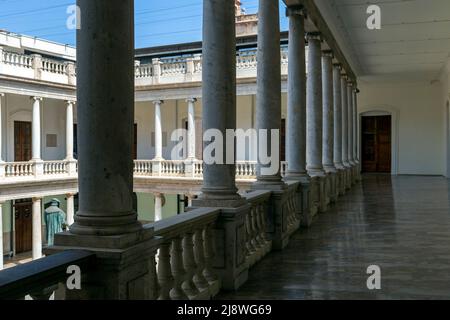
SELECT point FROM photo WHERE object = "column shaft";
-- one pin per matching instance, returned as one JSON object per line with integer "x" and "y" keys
{"x": 268, "y": 93}
{"x": 1, "y": 236}
{"x": 158, "y": 206}
{"x": 219, "y": 95}
{"x": 69, "y": 131}
{"x": 37, "y": 228}
{"x": 158, "y": 130}
{"x": 296, "y": 105}
{"x": 105, "y": 97}
{"x": 355, "y": 126}
{"x": 191, "y": 128}
{"x": 36, "y": 129}
{"x": 344, "y": 121}
{"x": 70, "y": 209}
{"x": 337, "y": 116}
{"x": 1, "y": 128}
{"x": 328, "y": 113}
{"x": 314, "y": 107}
{"x": 350, "y": 122}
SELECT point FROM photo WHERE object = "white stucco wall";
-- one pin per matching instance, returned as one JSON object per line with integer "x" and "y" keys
{"x": 420, "y": 130}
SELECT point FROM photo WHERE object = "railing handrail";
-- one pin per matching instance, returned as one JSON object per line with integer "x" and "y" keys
{"x": 179, "y": 224}
{"x": 17, "y": 282}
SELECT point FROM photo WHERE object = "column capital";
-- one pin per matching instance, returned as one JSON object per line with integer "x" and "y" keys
{"x": 2, "y": 94}
{"x": 36, "y": 199}
{"x": 193, "y": 100}
{"x": 298, "y": 10}
{"x": 36, "y": 98}
{"x": 337, "y": 65}
{"x": 155, "y": 102}
{"x": 72, "y": 102}
{"x": 313, "y": 36}
{"x": 71, "y": 194}
{"x": 328, "y": 53}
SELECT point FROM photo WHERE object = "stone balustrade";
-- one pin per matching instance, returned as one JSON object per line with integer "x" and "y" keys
{"x": 185, "y": 256}
{"x": 159, "y": 71}
{"x": 190, "y": 252}
{"x": 11, "y": 171}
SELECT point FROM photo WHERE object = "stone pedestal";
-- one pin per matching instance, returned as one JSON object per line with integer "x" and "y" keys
{"x": 230, "y": 253}
{"x": 124, "y": 266}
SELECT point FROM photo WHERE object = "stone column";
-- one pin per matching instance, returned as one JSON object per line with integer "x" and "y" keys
{"x": 350, "y": 132}
{"x": 337, "y": 154}
{"x": 350, "y": 122}
{"x": 1, "y": 127}
{"x": 106, "y": 223}
{"x": 1, "y": 235}
{"x": 37, "y": 228}
{"x": 328, "y": 125}
{"x": 219, "y": 99}
{"x": 105, "y": 95}
{"x": 36, "y": 129}
{"x": 296, "y": 105}
{"x": 268, "y": 93}
{"x": 69, "y": 130}
{"x": 345, "y": 130}
{"x": 158, "y": 130}
{"x": 314, "y": 120}
{"x": 191, "y": 128}
{"x": 356, "y": 133}
{"x": 219, "y": 113}
{"x": 70, "y": 208}
{"x": 158, "y": 206}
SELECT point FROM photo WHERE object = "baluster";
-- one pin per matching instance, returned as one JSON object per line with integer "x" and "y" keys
{"x": 254, "y": 229}
{"x": 165, "y": 278}
{"x": 178, "y": 272}
{"x": 248, "y": 243}
{"x": 199, "y": 280}
{"x": 189, "y": 265}
{"x": 210, "y": 251}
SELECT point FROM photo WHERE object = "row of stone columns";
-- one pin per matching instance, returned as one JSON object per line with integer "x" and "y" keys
{"x": 36, "y": 129}
{"x": 191, "y": 147}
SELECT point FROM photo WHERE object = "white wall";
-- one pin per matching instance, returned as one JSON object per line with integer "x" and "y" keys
{"x": 419, "y": 112}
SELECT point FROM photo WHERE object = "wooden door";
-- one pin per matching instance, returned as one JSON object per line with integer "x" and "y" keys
{"x": 23, "y": 225}
{"x": 376, "y": 144}
{"x": 22, "y": 141}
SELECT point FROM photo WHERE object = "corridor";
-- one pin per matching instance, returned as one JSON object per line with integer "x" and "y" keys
{"x": 401, "y": 224}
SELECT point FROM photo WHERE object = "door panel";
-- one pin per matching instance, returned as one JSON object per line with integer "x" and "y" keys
{"x": 376, "y": 144}
{"x": 23, "y": 225}
{"x": 22, "y": 141}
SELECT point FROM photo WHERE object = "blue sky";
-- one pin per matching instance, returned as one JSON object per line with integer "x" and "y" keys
{"x": 157, "y": 22}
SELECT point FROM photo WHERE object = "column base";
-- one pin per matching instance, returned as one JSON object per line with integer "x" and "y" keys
{"x": 124, "y": 267}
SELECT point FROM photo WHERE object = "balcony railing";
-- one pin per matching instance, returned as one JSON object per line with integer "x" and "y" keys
{"x": 24, "y": 171}
{"x": 188, "y": 263}
{"x": 159, "y": 71}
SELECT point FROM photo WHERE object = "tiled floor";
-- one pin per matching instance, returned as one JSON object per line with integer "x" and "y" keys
{"x": 401, "y": 224}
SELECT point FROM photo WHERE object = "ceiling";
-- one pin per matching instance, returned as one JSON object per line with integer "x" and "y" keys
{"x": 413, "y": 43}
